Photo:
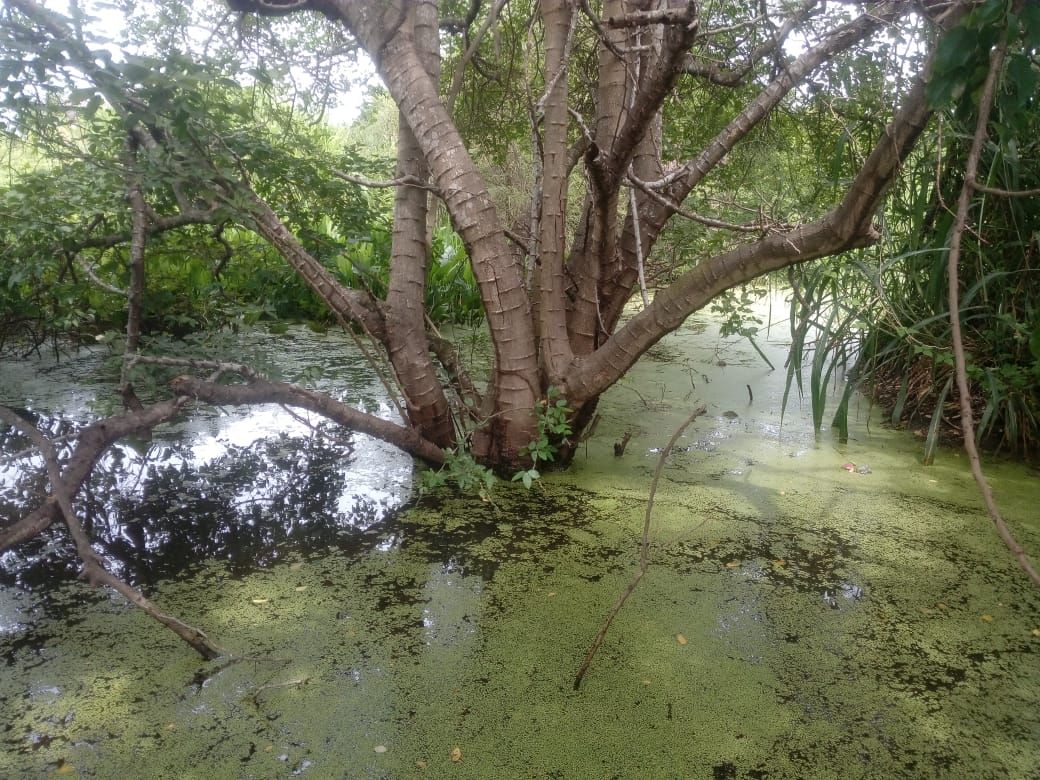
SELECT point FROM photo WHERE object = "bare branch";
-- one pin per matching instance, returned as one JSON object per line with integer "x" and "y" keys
{"x": 135, "y": 291}
{"x": 91, "y": 274}
{"x": 644, "y": 550}
{"x": 840, "y": 39}
{"x": 1005, "y": 193}
{"x": 94, "y": 570}
{"x": 963, "y": 388}
{"x": 400, "y": 181}
{"x": 675, "y": 208}
{"x": 263, "y": 391}
{"x": 678, "y": 16}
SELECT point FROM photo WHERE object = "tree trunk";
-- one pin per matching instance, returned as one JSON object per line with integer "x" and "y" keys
{"x": 409, "y": 254}
{"x": 514, "y": 387}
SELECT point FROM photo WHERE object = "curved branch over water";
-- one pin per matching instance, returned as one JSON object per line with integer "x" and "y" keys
{"x": 963, "y": 389}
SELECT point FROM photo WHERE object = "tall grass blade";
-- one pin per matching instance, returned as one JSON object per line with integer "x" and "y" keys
{"x": 931, "y": 442}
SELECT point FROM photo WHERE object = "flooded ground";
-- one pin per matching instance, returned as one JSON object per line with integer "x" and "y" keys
{"x": 798, "y": 619}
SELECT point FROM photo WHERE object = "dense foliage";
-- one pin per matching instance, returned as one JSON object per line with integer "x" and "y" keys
{"x": 885, "y": 317}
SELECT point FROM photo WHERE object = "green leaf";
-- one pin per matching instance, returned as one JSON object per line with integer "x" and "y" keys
{"x": 1030, "y": 19}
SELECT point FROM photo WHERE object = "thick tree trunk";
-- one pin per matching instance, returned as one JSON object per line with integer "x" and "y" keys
{"x": 552, "y": 223}
{"x": 514, "y": 387}
{"x": 407, "y": 347}
{"x": 644, "y": 48}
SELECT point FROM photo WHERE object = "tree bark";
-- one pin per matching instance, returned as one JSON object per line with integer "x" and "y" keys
{"x": 555, "y": 346}
{"x": 514, "y": 386}
{"x": 407, "y": 347}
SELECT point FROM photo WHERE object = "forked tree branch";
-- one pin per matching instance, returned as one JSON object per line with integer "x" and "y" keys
{"x": 845, "y": 227}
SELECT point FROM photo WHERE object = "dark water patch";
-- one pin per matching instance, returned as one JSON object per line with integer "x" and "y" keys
{"x": 783, "y": 553}
{"x": 251, "y": 506}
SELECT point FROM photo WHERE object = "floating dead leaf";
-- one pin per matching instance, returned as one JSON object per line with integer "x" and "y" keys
{"x": 171, "y": 726}
{"x": 925, "y": 610}
{"x": 646, "y": 680}
{"x": 65, "y": 768}
{"x": 301, "y": 588}
{"x": 940, "y": 605}
{"x": 1035, "y": 632}
{"x": 783, "y": 492}
{"x": 779, "y": 562}
{"x": 268, "y": 748}
{"x": 732, "y": 564}
{"x": 551, "y": 593}
{"x": 456, "y": 754}
{"x": 379, "y": 748}
{"x": 681, "y": 639}
{"x": 986, "y": 618}
{"x": 260, "y": 601}
{"x": 295, "y": 566}
{"x": 421, "y": 764}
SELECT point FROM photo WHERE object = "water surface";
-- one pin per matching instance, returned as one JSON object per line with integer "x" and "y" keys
{"x": 798, "y": 620}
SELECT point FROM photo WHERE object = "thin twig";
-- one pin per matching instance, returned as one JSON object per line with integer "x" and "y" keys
{"x": 400, "y": 181}
{"x": 709, "y": 221}
{"x": 644, "y": 550}
{"x": 963, "y": 390}
{"x": 640, "y": 266}
{"x": 1006, "y": 193}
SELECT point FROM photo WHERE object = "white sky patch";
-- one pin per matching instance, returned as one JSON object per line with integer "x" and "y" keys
{"x": 105, "y": 27}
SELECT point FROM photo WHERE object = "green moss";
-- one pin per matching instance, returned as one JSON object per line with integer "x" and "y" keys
{"x": 837, "y": 625}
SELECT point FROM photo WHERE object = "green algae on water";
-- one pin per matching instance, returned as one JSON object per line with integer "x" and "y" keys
{"x": 838, "y": 624}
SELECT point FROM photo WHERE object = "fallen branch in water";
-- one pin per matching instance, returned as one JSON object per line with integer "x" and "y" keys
{"x": 963, "y": 390}
{"x": 262, "y": 391}
{"x": 94, "y": 571}
{"x": 644, "y": 549}
{"x": 91, "y": 444}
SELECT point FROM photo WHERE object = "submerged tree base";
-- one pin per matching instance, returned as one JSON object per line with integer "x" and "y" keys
{"x": 820, "y": 618}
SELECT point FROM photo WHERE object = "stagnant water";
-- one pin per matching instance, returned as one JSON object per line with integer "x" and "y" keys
{"x": 798, "y": 619}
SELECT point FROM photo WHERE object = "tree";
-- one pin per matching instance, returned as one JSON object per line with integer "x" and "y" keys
{"x": 601, "y": 85}
{"x": 554, "y": 298}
